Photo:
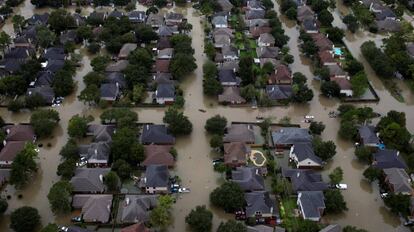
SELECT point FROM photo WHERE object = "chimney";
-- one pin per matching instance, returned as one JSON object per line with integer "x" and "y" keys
{"x": 298, "y": 174}
{"x": 147, "y": 127}
{"x": 96, "y": 151}
{"x": 127, "y": 201}
{"x": 4, "y": 142}
{"x": 101, "y": 178}
{"x": 398, "y": 153}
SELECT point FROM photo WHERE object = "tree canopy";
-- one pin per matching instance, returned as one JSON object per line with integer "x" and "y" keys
{"x": 44, "y": 121}
{"x": 25, "y": 219}
{"x": 78, "y": 126}
{"x": 160, "y": 216}
{"x": 216, "y": 125}
{"x": 334, "y": 201}
{"x": 228, "y": 196}
{"x": 200, "y": 219}
{"x": 178, "y": 123}
{"x": 231, "y": 226}
{"x": 24, "y": 164}
{"x": 60, "y": 197}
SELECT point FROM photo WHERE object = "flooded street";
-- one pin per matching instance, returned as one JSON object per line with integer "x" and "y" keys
{"x": 194, "y": 164}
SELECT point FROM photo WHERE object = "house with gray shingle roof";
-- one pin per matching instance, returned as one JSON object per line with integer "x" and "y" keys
{"x": 332, "y": 228}
{"x": 89, "y": 180}
{"x": 45, "y": 91}
{"x": 155, "y": 179}
{"x": 96, "y": 153}
{"x": 239, "y": 133}
{"x": 265, "y": 40}
{"x": 225, "y": 5}
{"x": 260, "y": 205}
{"x": 248, "y": 178}
{"x": 220, "y": 22}
{"x": 109, "y": 91}
{"x": 227, "y": 77}
{"x": 101, "y": 133}
{"x": 137, "y": 16}
{"x": 311, "y": 205}
{"x": 304, "y": 180}
{"x": 230, "y": 52}
{"x": 95, "y": 208}
{"x": 398, "y": 181}
{"x": 156, "y": 134}
{"x": 267, "y": 52}
{"x": 279, "y": 92}
{"x": 20, "y": 132}
{"x": 165, "y": 93}
{"x": 221, "y": 40}
{"x": 388, "y": 158}
{"x": 231, "y": 95}
{"x": 236, "y": 154}
{"x": 255, "y": 14}
{"x": 10, "y": 151}
{"x": 304, "y": 157}
{"x": 368, "y": 136}
{"x": 136, "y": 208}
{"x": 287, "y": 136}
{"x": 116, "y": 78}
{"x": 126, "y": 50}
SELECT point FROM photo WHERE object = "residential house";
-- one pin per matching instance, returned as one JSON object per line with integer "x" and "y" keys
{"x": 10, "y": 151}
{"x": 69, "y": 36}
{"x": 95, "y": 208}
{"x": 267, "y": 52}
{"x": 231, "y": 95}
{"x": 109, "y": 92}
{"x": 322, "y": 42}
{"x": 304, "y": 180}
{"x": 118, "y": 66}
{"x": 255, "y": 32}
{"x": 126, "y": 50}
{"x": 116, "y": 14}
{"x": 398, "y": 181}
{"x": 311, "y": 205}
{"x": 77, "y": 229}
{"x": 223, "y": 31}
{"x": 254, "y": 5}
{"x": 281, "y": 76}
{"x": 156, "y": 134}
{"x": 43, "y": 78}
{"x": 240, "y": 133}
{"x": 159, "y": 78}
{"x": 156, "y": 179}
{"x": 219, "y": 22}
{"x": 388, "y": 25}
{"x": 336, "y": 71}
{"x": 221, "y": 40}
{"x": 264, "y": 228}
{"x": 227, "y": 77}
{"x": 304, "y": 157}
{"x": 155, "y": 20}
{"x": 367, "y": 136}
{"x": 53, "y": 66}
{"x": 266, "y": 40}
{"x": 137, "y": 16}
{"x": 158, "y": 155}
{"x": 97, "y": 16}
{"x": 4, "y": 176}
{"x": 101, "y": 133}
{"x": 167, "y": 31}
{"x": 15, "y": 57}
{"x": 248, "y": 178}
{"x": 165, "y": 93}
{"x": 79, "y": 19}
{"x": 255, "y": 14}
{"x": 310, "y": 25}
{"x": 272, "y": 61}
{"x": 225, "y": 5}
{"x": 54, "y": 53}
{"x": 20, "y": 132}
{"x": 139, "y": 227}
{"x": 46, "y": 92}
{"x": 261, "y": 22}
{"x": 326, "y": 58}
{"x": 388, "y": 158}
{"x": 260, "y": 205}
{"x": 136, "y": 208}
{"x": 89, "y": 180}
{"x": 117, "y": 78}
{"x": 230, "y": 53}
{"x": 163, "y": 42}
{"x": 332, "y": 228}
{"x": 383, "y": 13}
{"x": 236, "y": 154}
{"x": 166, "y": 53}
{"x": 344, "y": 84}
{"x": 230, "y": 64}
{"x": 173, "y": 18}
{"x": 38, "y": 19}
{"x": 279, "y": 92}
{"x": 410, "y": 49}
{"x": 96, "y": 153}
{"x": 287, "y": 136}
{"x": 161, "y": 66}
{"x": 304, "y": 12}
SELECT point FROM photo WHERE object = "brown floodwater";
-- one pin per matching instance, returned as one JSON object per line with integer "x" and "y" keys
{"x": 366, "y": 209}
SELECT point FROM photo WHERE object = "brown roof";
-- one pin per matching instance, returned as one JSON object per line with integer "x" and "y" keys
{"x": 12, "y": 148}
{"x": 140, "y": 227}
{"x": 326, "y": 57}
{"x": 20, "y": 133}
{"x": 256, "y": 31}
{"x": 126, "y": 49}
{"x": 239, "y": 133}
{"x": 343, "y": 83}
{"x": 158, "y": 154}
{"x": 162, "y": 66}
{"x": 282, "y": 73}
{"x": 164, "y": 42}
{"x": 235, "y": 153}
{"x": 231, "y": 94}
{"x": 322, "y": 42}
{"x": 304, "y": 12}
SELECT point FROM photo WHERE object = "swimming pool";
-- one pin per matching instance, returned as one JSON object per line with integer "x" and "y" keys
{"x": 338, "y": 51}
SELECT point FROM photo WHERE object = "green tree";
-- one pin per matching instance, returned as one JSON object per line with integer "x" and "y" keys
{"x": 99, "y": 63}
{"x": 25, "y": 219}
{"x": 348, "y": 130}
{"x": 178, "y": 123}
{"x": 122, "y": 168}
{"x": 216, "y": 125}
{"x": 336, "y": 176}
{"x": 136, "y": 75}
{"x": 70, "y": 150}
{"x": 50, "y": 228}
{"x": 359, "y": 84}
{"x": 63, "y": 84}
{"x": 60, "y": 20}
{"x": 124, "y": 145}
{"x": 78, "y": 126}
{"x": 145, "y": 34}
{"x": 398, "y": 203}
{"x": 351, "y": 22}
{"x": 372, "y": 173}
{"x": 335, "y": 34}
{"x": 111, "y": 180}
{"x": 12, "y": 85}
{"x": 291, "y": 13}
{"x": 307, "y": 225}
{"x": 249, "y": 92}
{"x": 352, "y": 66}
{"x": 138, "y": 93}
{"x": 316, "y": 127}
{"x": 90, "y": 94}
{"x": 228, "y": 196}
{"x": 44, "y": 121}
{"x": 45, "y": 37}
{"x": 60, "y": 197}
{"x": 118, "y": 115}
{"x": 330, "y": 89}
{"x": 326, "y": 18}
{"x": 66, "y": 169}
{"x": 216, "y": 141}
{"x": 5, "y": 41}
{"x": 141, "y": 57}
{"x": 18, "y": 23}
{"x": 93, "y": 78}
{"x": 200, "y": 219}
{"x": 352, "y": 229}
{"x": 334, "y": 201}
{"x": 231, "y": 226}
{"x": 181, "y": 65}
{"x": 3, "y": 205}
{"x": 160, "y": 216}
{"x": 34, "y": 101}
{"x": 364, "y": 154}
{"x": 246, "y": 70}
{"x": 23, "y": 166}
{"x": 325, "y": 150}
{"x": 84, "y": 32}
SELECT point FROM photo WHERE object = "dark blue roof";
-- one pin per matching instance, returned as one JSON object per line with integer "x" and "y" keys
{"x": 156, "y": 134}
{"x": 388, "y": 159}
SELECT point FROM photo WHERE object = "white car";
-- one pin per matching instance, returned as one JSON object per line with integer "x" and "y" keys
{"x": 341, "y": 186}
{"x": 309, "y": 116}
{"x": 183, "y": 190}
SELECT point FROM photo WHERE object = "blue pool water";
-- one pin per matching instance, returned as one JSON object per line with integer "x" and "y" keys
{"x": 338, "y": 51}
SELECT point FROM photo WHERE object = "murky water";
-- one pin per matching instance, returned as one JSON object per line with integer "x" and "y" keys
{"x": 366, "y": 209}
